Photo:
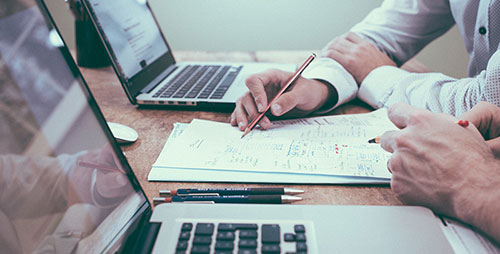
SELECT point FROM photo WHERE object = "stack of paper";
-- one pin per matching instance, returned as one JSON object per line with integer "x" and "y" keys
{"x": 330, "y": 149}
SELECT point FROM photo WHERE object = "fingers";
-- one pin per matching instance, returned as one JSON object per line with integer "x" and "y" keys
{"x": 263, "y": 83}
{"x": 245, "y": 111}
{"x": 494, "y": 145}
{"x": 486, "y": 117}
{"x": 402, "y": 115}
{"x": 354, "y": 38}
{"x": 388, "y": 141}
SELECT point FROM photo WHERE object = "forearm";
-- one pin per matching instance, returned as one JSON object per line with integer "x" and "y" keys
{"x": 402, "y": 28}
{"x": 479, "y": 204}
{"x": 436, "y": 92}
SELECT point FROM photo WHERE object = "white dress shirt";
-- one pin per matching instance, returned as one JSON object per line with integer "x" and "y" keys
{"x": 401, "y": 28}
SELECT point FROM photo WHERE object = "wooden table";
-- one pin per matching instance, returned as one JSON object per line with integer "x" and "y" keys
{"x": 154, "y": 127}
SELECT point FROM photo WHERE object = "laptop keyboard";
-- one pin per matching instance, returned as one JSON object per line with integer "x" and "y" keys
{"x": 197, "y": 81}
{"x": 240, "y": 238}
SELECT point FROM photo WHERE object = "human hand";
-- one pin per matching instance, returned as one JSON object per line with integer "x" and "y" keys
{"x": 97, "y": 178}
{"x": 486, "y": 117}
{"x": 439, "y": 164}
{"x": 305, "y": 96}
{"x": 358, "y": 56}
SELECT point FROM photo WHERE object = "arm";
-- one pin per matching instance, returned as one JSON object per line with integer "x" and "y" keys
{"x": 400, "y": 29}
{"x": 390, "y": 35}
{"x": 433, "y": 91}
{"x": 438, "y": 164}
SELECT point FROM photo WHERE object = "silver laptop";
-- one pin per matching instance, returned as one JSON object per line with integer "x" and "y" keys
{"x": 146, "y": 66}
{"x": 66, "y": 187}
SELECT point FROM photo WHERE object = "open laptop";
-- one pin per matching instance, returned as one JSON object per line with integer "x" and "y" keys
{"x": 66, "y": 187}
{"x": 146, "y": 67}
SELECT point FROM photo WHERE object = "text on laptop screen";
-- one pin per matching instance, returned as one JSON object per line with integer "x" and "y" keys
{"x": 134, "y": 39}
{"x": 65, "y": 187}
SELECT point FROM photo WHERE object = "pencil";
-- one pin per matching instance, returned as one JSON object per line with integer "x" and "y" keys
{"x": 463, "y": 123}
{"x": 280, "y": 92}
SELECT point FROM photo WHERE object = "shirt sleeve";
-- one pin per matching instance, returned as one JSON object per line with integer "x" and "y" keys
{"x": 436, "y": 92}
{"x": 331, "y": 72}
{"x": 401, "y": 29}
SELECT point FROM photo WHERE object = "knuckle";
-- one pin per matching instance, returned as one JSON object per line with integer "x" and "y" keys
{"x": 402, "y": 141}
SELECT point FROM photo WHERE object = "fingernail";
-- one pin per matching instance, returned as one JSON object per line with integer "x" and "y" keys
{"x": 232, "y": 118}
{"x": 260, "y": 107}
{"x": 276, "y": 108}
{"x": 240, "y": 124}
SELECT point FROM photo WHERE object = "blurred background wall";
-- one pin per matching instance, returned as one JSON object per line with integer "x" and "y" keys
{"x": 222, "y": 25}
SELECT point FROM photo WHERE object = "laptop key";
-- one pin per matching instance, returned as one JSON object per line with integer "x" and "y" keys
{"x": 224, "y": 245}
{"x": 182, "y": 245}
{"x": 289, "y": 237}
{"x": 247, "y": 251}
{"x": 300, "y": 237}
{"x": 226, "y": 235}
{"x": 270, "y": 248}
{"x": 200, "y": 249}
{"x": 204, "y": 229}
{"x": 184, "y": 235}
{"x": 252, "y": 234}
{"x": 187, "y": 226}
{"x": 270, "y": 233}
{"x": 299, "y": 228}
{"x": 235, "y": 226}
{"x": 301, "y": 246}
{"x": 247, "y": 243}
{"x": 202, "y": 240}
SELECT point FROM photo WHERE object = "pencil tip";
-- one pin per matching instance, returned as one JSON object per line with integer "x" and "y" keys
{"x": 245, "y": 133}
{"x": 371, "y": 141}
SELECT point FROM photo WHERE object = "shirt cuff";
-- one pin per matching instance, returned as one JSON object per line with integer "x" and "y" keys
{"x": 328, "y": 70}
{"x": 377, "y": 86}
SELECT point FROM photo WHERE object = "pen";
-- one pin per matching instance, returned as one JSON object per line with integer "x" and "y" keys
{"x": 245, "y": 199}
{"x": 463, "y": 123}
{"x": 231, "y": 191}
{"x": 280, "y": 92}
{"x": 97, "y": 166}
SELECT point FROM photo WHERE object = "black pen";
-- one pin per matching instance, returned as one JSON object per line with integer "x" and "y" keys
{"x": 245, "y": 199}
{"x": 231, "y": 191}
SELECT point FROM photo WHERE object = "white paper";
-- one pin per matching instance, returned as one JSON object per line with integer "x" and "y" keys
{"x": 316, "y": 147}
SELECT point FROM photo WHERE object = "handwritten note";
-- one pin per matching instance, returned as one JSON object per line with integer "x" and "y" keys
{"x": 333, "y": 145}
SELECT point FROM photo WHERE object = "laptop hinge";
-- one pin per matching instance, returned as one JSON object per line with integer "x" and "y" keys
{"x": 142, "y": 239}
{"x": 153, "y": 84}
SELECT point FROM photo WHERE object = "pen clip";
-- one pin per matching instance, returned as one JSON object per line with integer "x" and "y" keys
{"x": 198, "y": 194}
{"x": 195, "y": 202}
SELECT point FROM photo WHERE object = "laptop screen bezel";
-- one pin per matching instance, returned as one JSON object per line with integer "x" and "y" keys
{"x": 143, "y": 78}
{"x": 146, "y": 207}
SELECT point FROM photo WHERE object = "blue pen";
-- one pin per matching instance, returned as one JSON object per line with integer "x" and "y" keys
{"x": 230, "y": 191}
{"x": 245, "y": 199}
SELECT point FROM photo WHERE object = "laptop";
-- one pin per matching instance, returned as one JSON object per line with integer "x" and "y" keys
{"x": 145, "y": 65}
{"x": 66, "y": 186}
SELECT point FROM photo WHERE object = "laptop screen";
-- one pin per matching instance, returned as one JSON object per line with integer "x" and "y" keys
{"x": 136, "y": 46}
{"x": 131, "y": 32}
{"x": 65, "y": 186}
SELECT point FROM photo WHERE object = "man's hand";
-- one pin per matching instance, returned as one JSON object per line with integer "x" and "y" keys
{"x": 358, "y": 56}
{"x": 486, "y": 117}
{"x": 441, "y": 165}
{"x": 302, "y": 98}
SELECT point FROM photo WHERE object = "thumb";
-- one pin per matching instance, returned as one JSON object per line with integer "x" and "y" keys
{"x": 285, "y": 103}
{"x": 494, "y": 145}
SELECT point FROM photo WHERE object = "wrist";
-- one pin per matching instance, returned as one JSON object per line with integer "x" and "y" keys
{"x": 329, "y": 96}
